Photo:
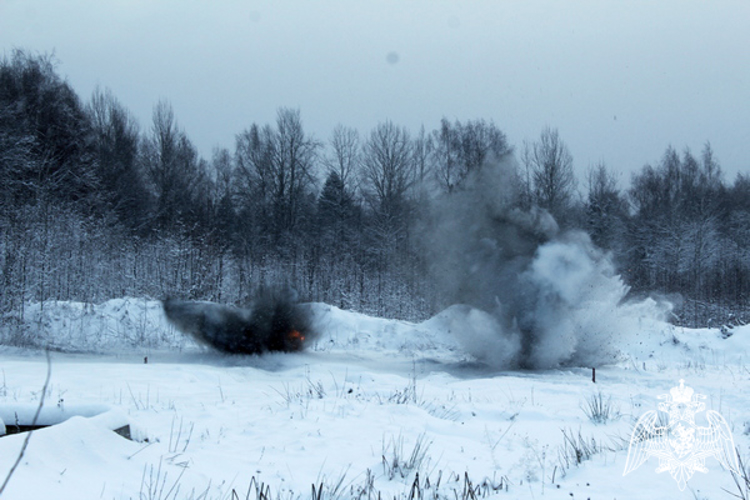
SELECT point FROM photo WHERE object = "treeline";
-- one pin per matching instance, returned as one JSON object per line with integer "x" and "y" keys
{"x": 679, "y": 229}
{"x": 92, "y": 206}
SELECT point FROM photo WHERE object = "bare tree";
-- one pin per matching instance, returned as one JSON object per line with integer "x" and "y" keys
{"x": 552, "y": 173}
{"x": 115, "y": 138}
{"x": 388, "y": 169}
{"x": 606, "y": 208}
{"x": 344, "y": 157}
{"x": 293, "y": 167}
{"x": 479, "y": 140}
{"x": 254, "y": 158}
{"x": 711, "y": 170}
{"x": 336, "y": 204}
{"x": 527, "y": 186}
{"x": 457, "y": 149}
{"x": 422, "y": 150}
{"x": 172, "y": 166}
{"x": 445, "y": 157}
{"x": 276, "y": 168}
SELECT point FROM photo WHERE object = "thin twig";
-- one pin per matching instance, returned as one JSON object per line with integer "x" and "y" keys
{"x": 33, "y": 424}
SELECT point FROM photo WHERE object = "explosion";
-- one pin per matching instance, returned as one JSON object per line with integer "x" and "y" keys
{"x": 552, "y": 296}
{"x": 532, "y": 295}
{"x": 274, "y": 322}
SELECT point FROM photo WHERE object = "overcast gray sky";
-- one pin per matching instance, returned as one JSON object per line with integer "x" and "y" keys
{"x": 620, "y": 80}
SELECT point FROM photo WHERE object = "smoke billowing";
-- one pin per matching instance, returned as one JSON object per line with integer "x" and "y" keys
{"x": 274, "y": 322}
{"x": 553, "y": 298}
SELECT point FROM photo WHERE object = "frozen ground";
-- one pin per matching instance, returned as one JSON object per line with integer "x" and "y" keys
{"x": 375, "y": 407}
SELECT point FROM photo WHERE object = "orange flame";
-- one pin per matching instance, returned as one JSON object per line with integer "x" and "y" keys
{"x": 295, "y": 335}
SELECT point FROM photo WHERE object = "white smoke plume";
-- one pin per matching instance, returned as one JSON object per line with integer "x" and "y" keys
{"x": 554, "y": 298}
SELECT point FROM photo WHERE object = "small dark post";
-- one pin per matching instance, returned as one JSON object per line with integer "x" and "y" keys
{"x": 145, "y": 360}
{"x": 593, "y": 375}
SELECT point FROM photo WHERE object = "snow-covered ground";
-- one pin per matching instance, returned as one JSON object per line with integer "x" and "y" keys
{"x": 374, "y": 407}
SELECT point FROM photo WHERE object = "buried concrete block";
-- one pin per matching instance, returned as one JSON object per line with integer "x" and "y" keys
{"x": 15, "y": 419}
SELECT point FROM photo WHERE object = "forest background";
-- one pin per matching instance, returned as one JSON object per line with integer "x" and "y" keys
{"x": 94, "y": 206}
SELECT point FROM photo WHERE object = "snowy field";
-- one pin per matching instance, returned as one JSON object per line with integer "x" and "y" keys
{"x": 374, "y": 409}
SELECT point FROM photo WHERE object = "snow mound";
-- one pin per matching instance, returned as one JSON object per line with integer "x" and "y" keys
{"x": 459, "y": 333}
{"x": 114, "y": 325}
{"x": 348, "y": 331}
{"x": 367, "y": 395}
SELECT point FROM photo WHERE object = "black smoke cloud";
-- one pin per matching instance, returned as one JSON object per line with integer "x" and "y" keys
{"x": 275, "y": 321}
{"x": 553, "y": 298}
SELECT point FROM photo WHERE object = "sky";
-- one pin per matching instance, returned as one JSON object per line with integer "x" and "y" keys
{"x": 620, "y": 80}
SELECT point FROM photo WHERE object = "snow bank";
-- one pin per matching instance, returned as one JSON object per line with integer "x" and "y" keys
{"x": 70, "y": 460}
{"x": 23, "y": 414}
{"x": 342, "y": 330}
{"x": 599, "y": 334}
{"x": 116, "y": 325}
{"x": 348, "y": 413}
